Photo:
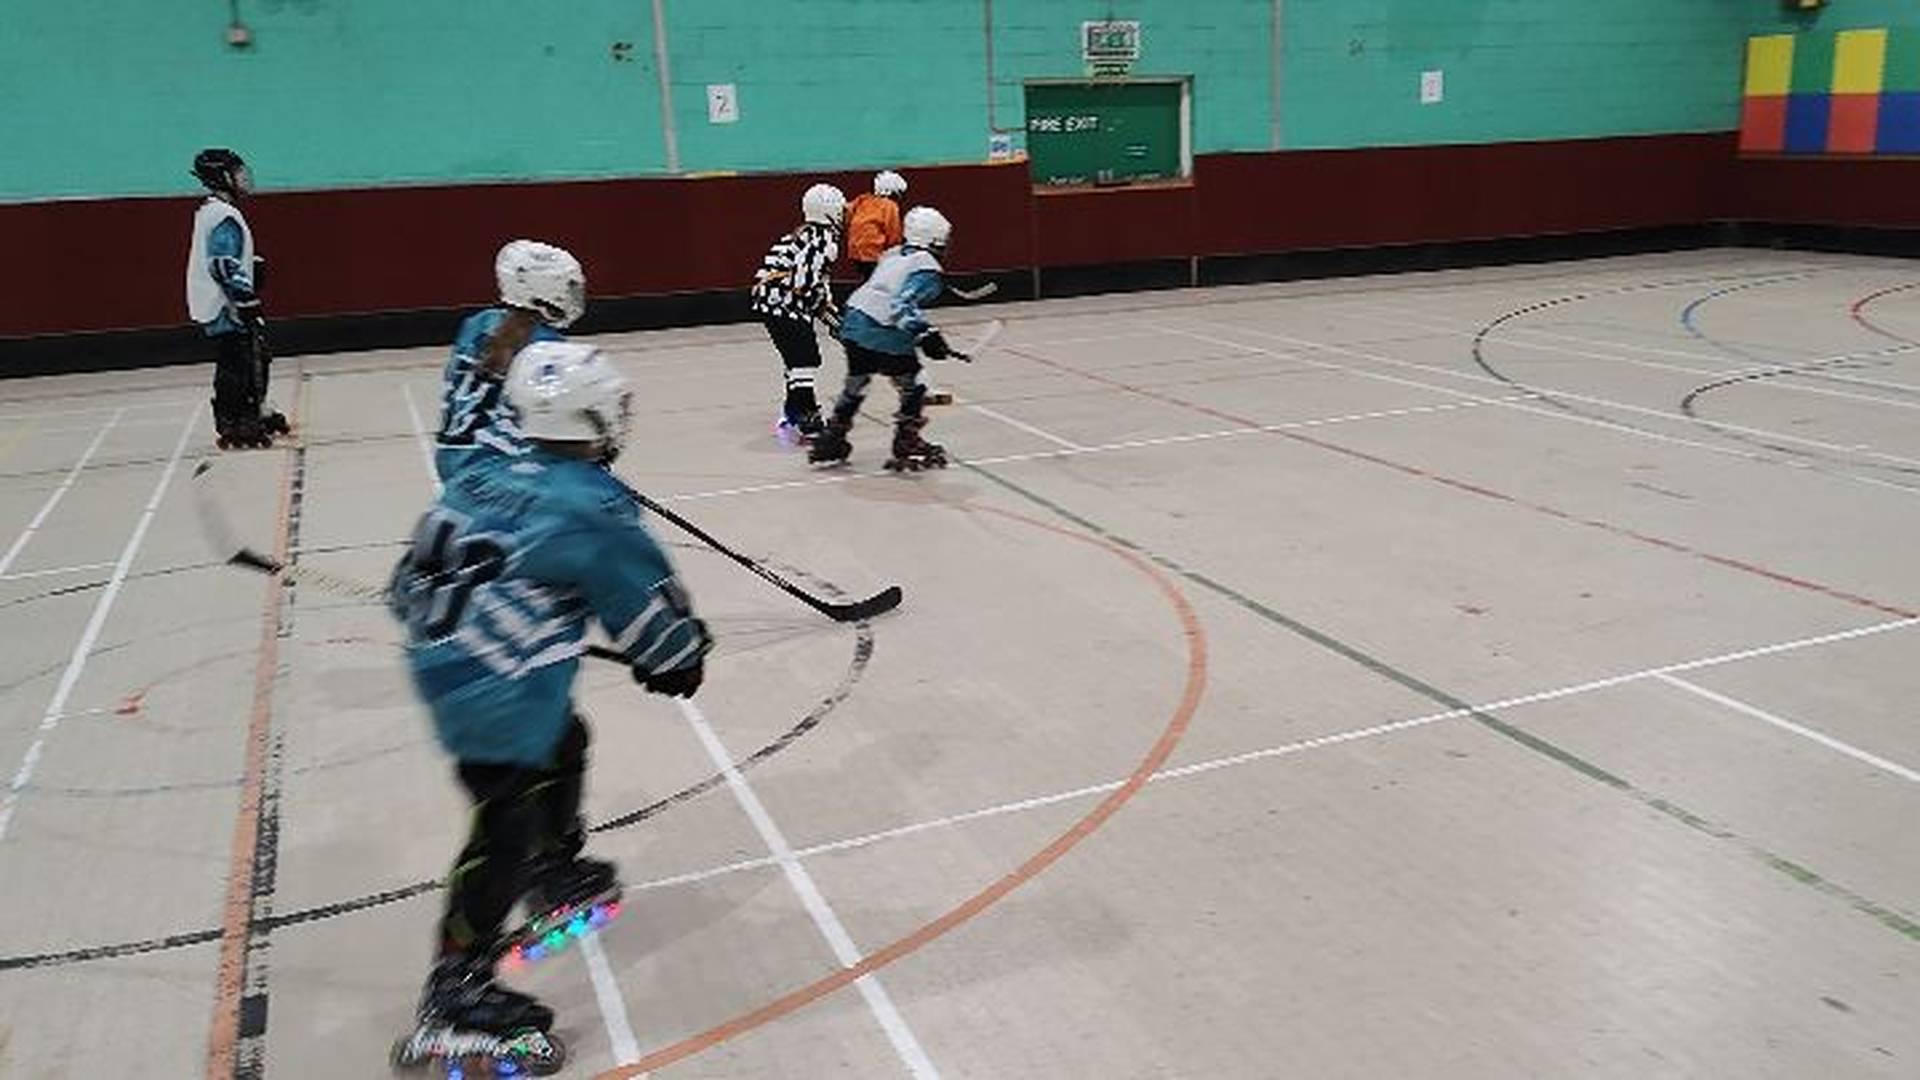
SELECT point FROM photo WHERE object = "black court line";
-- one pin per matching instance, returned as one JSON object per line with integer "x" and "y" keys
{"x": 810, "y": 721}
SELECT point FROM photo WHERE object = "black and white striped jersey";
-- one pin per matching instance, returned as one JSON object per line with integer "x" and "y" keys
{"x": 792, "y": 281}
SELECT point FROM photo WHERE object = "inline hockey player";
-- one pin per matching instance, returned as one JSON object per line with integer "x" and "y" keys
{"x": 790, "y": 290}
{"x": 883, "y": 333}
{"x": 873, "y": 222}
{"x": 505, "y": 570}
{"x": 223, "y": 296}
{"x": 542, "y": 291}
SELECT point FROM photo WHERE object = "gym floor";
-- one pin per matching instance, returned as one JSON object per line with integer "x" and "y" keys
{"x": 1504, "y": 672}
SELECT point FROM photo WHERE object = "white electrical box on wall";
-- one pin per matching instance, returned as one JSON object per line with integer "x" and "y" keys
{"x": 723, "y": 103}
{"x": 1433, "y": 87}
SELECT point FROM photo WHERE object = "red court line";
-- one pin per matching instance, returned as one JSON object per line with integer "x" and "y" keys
{"x": 1663, "y": 543}
{"x": 1858, "y": 310}
{"x": 1039, "y": 861}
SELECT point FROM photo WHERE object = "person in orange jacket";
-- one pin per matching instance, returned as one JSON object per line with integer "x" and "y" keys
{"x": 873, "y": 222}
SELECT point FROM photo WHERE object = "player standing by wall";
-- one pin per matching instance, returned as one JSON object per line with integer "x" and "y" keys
{"x": 223, "y": 296}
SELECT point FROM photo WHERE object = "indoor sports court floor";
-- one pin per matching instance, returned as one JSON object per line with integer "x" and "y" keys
{"x": 1489, "y": 673}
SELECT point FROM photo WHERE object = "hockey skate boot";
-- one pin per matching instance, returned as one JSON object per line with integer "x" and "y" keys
{"x": 911, "y": 453}
{"x": 273, "y": 422}
{"x": 795, "y": 430}
{"x": 468, "y": 1021}
{"x": 243, "y": 435}
{"x": 567, "y": 898}
{"x": 831, "y": 447}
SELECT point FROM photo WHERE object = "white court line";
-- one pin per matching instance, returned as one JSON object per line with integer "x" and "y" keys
{"x": 1552, "y": 414}
{"x": 613, "y": 1007}
{"x": 59, "y": 493}
{"x": 99, "y": 410}
{"x": 1289, "y": 749}
{"x": 844, "y": 950}
{"x": 54, "y": 571}
{"x": 84, "y": 648}
{"x": 1801, "y": 730}
{"x": 1505, "y": 332}
{"x": 420, "y": 436}
{"x": 1026, "y": 427}
{"x": 1126, "y": 444}
{"x": 1716, "y": 374}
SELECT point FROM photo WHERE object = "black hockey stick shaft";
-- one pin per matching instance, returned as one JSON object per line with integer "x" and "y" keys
{"x": 854, "y": 611}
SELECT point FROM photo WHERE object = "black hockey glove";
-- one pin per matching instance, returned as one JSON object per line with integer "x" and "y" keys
{"x": 681, "y": 682}
{"x": 934, "y": 345}
{"x": 830, "y": 318}
{"x": 249, "y": 313}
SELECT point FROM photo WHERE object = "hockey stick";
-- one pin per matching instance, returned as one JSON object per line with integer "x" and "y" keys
{"x": 853, "y": 611}
{"x": 980, "y": 293}
{"x": 980, "y": 342}
{"x": 221, "y": 537}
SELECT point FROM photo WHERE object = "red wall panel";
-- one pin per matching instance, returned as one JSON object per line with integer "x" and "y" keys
{"x": 1883, "y": 193}
{"x": 117, "y": 264}
{"x": 1255, "y": 203}
{"x": 121, "y": 261}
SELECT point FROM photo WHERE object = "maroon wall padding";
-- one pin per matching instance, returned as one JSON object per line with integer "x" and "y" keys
{"x": 117, "y": 264}
{"x": 1304, "y": 200}
{"x": 1082, "y": 228}
{"x": 121, "y": 262}
{"x": 1866, "y": 192}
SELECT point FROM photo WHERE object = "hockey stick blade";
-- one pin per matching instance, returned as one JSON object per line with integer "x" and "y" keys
{"x": 980, "y": 293}
{"x": 981, "y": 341}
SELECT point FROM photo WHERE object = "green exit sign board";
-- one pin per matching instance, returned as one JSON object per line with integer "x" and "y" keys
{"x": 1109, "y": 48}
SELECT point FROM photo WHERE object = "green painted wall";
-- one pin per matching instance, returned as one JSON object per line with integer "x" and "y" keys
{"x": 112, "y": 97}
{"x": 115, "y": 96}
{"x": 1514, "y": 69}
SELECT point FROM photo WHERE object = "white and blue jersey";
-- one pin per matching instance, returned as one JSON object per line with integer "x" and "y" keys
{"x": 885, "y": 313}
{"x": 220, "y": 267}
{"x": 504, "y": 572}
{"x": 474, "y": 413}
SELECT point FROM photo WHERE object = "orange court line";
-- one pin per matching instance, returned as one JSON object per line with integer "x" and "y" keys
{"x": 237, "y": 910}
{"x": 1039, "y": 861}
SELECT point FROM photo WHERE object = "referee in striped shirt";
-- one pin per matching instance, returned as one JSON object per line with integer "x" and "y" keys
{"x": 792, "y": 289}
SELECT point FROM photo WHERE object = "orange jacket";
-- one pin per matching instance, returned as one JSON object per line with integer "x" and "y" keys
{"x": 873, "y": 226}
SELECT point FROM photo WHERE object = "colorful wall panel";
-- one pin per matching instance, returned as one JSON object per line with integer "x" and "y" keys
{"x": 1851, "y": 92}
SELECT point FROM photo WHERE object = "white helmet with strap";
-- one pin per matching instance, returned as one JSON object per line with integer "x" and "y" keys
{"x": 569, "y": 392}
{"x": 543, "y": 279}
{"x": 889, "y": 183}
{"x": 824, "y": 204}
{"x": 926, "y": 227}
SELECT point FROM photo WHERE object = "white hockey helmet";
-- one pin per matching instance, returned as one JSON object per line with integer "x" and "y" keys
{"x": 542, "y": 278}
{"x": 569, "y": 392}
{"x": 926, "y": 227}
{"x": 889, "y": 183}
{"x": 824, "y": 204}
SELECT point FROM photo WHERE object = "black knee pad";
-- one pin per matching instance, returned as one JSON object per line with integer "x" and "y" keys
{"x": 913, "y": 398}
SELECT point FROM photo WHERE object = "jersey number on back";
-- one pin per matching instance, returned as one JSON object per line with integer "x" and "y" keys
{"x": 438, "y": 576}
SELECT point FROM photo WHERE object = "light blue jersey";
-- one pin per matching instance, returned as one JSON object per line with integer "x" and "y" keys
{"x": 505, "y": 570}
{"x": 885, "y": 314}
{"x": 474, "y": 414}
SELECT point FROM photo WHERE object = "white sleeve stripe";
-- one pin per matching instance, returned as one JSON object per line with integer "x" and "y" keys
{"x": 631, "y": 635}
{"x": 673, "y": 662}
{"x": 665, "y": 636}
